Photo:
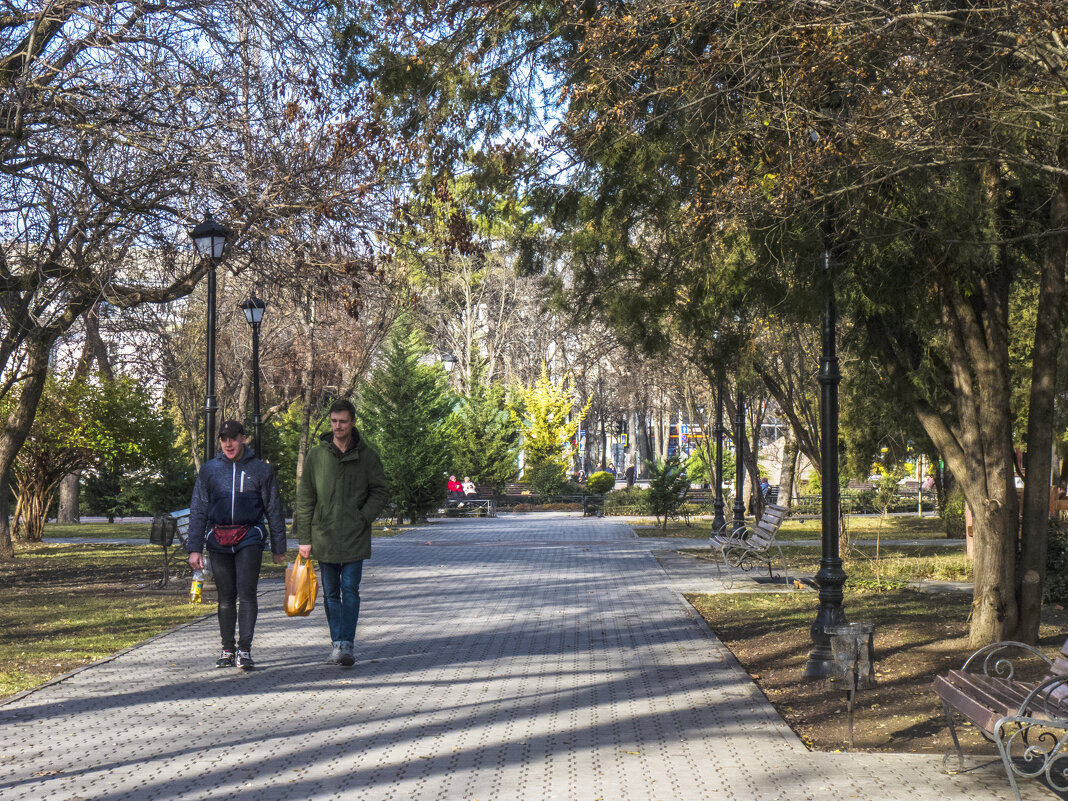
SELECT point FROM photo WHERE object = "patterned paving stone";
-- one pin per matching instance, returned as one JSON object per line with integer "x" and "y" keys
{"x": 534, "y": 657}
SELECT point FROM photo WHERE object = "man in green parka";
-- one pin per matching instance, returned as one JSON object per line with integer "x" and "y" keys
{"x": 342, "y": 489}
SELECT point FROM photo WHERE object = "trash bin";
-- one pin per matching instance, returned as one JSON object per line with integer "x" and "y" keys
{"x": 163, "y": 530}
{"x": 853, "y": 647}
{"x": 162, "y": 533}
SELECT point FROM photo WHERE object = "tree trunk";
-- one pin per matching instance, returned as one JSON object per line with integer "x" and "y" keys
{"x": 752, "y": 462}
{"x": 69, "y": 513}
{"x": 1040, "y": 422}
{"x": 7, "y": 547}
{"x": 307, "y": 390}
{"x": 645, "y": 446}
{"x": 790, "y": 450}
{"x": 17, "y": 427}
{"x": 665, "y": 435}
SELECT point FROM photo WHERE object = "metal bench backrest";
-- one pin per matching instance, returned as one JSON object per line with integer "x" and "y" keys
{"x": 1060, "y": 663}
{"x": 182, "y": 519}
{"x": 764, "y": 532}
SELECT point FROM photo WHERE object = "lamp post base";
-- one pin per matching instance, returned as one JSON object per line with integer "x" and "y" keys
{"x": 719, "y": 522}
{"x": 831, "y": 578}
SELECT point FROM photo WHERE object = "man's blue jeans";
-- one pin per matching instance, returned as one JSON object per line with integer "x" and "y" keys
{"x": 341, "y": 596}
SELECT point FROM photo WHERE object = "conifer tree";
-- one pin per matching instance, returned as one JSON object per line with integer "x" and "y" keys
{"x": 487, "y": 437}
{"x": 404, "y": 412}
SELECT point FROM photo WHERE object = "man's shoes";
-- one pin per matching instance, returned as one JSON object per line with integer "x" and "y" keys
{"x": 228, "y": 659}
{"x": 347, "y": 659}
{"x": 244, "y": 660}
{"x": 335, "y": 655}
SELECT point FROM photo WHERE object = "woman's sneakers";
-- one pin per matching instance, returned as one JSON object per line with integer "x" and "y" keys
{"x": 335, "y": 655}
{"x": 241, "y": 659}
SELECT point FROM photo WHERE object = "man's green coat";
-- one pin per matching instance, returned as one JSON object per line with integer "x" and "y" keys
{"x": 340, "y": 495}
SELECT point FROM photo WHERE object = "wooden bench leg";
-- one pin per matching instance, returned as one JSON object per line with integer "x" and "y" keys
{"x": 956, "y": 743}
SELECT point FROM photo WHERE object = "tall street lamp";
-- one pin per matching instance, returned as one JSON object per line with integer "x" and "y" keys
{"x": 739, "y": 467}
{"x": 209, "y": 238}
{"x": 831, "y": 577}
{"x": 253, "y": 309}
{"x": 719, "y": 523}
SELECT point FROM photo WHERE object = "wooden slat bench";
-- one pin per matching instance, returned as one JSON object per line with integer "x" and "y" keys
{"x": 1026, "y": 717}
{"x": 745, "y": 547}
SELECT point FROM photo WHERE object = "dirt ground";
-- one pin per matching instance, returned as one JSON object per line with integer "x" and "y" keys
{"x": 917, "y": 636}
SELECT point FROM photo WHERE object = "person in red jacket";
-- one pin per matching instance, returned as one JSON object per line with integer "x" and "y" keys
{"x": 454, "y": 488}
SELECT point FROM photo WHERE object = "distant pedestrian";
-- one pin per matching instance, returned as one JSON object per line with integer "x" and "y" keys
{"x": 765, "y": 486}
{"x": 628, "y": 468}
{"x": 342, "y": 489}
{"x": 233, "y": 494}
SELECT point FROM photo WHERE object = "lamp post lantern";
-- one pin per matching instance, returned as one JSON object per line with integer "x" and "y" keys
{"x": 209, "y": 238}
{"x": 830, "y": 577}
{"x": 253, "y": 309}
{"x": 739, "y": 465}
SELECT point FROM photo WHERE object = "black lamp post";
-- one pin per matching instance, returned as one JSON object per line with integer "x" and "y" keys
{"x": 253, "y": 309}
{"x": 739, "y": 466}
{"x": 831, "y": 577}
{"x": 209, "y": 238}
{"x": 719, "y": 523}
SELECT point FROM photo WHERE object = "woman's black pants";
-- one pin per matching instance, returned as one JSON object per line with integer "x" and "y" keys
{"x": 236, "y": 577}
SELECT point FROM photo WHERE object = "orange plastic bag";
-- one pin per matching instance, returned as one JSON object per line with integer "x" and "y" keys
{"x": 301, "y": 587}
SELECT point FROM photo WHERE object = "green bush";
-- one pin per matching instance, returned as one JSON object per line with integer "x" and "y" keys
{"x": 951, "y": 510}
{"x": 629, "y": 501}
{"x": 547, "y": 478}
{"x": 814, "y": 485}
{"x": 862, "y": 502}
{"x": 600, "y": 482}
{"x": 1056, "y": 589}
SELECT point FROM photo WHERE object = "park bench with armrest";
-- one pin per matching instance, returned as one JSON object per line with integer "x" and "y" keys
{"x": 482, "y": 504}
{"x": 744, "y": 547}
{"x": 1027, "y": 719}
{"x": 165, "y": 528}
{"x": 702, "y": 497}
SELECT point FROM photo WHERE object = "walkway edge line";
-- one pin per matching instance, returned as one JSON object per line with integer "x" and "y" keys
{"x": 110, "y": 657}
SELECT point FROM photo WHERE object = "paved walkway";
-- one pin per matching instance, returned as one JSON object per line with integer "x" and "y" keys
{"x": 546, "y": 657}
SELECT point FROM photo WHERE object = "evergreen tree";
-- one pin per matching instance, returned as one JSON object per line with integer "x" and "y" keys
{"x": 405, "y": 412}
{"x": 667, "y": 481}
{"x": 487, "y": 437}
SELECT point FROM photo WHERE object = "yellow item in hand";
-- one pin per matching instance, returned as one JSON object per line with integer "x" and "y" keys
{"x": 301, "y": 587}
